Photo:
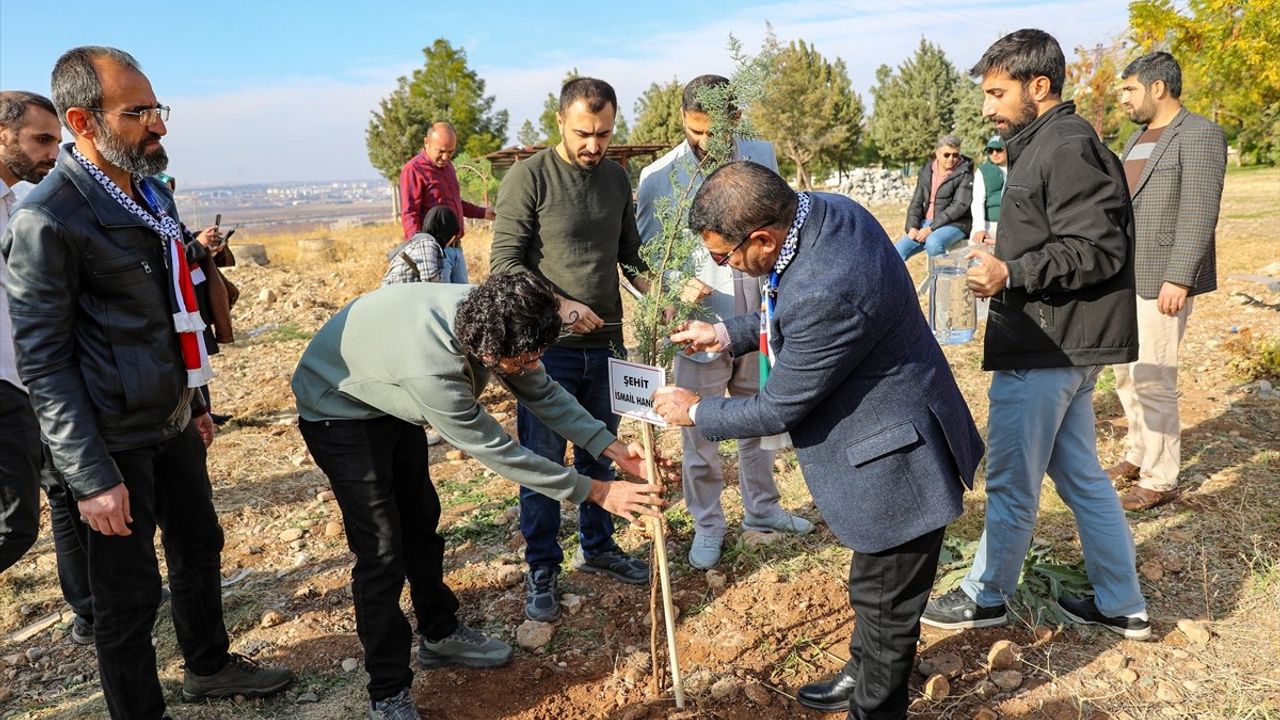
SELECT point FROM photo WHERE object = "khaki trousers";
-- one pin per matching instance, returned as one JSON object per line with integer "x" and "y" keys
{"x": 1148, "y": 390}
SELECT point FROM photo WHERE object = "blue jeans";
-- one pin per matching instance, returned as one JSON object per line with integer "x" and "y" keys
{"x": 454, "y": 269}
{"x": 584, "y": 374}
{"x": 1041, "y": 421}
{"x": 936, "y": 244}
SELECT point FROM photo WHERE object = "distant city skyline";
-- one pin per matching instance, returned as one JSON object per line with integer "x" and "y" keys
{"x": 283, "y": 91}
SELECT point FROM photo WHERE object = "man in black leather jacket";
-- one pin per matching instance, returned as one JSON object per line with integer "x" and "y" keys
{"x": 99, "y": 317}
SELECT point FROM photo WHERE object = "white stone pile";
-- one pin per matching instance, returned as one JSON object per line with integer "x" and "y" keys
{"x": 872, "y": 186}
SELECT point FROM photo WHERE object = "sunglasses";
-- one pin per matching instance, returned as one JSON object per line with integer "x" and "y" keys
{"x": 951, "y": 155}
{"x": 721, "y": 259}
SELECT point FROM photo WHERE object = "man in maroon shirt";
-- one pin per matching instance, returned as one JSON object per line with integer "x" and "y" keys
{"x": 428, "y": 180}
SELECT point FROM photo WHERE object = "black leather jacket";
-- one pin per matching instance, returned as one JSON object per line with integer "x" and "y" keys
{"x": 93, "y": 325}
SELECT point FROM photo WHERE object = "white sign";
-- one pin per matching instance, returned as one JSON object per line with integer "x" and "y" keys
{"x": 631, "y": 387}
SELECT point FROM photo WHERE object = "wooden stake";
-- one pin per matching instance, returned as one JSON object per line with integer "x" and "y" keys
{"x": 664, "y": 576}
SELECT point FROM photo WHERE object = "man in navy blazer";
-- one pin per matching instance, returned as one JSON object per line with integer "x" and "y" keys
{"x": 883, "y": 435}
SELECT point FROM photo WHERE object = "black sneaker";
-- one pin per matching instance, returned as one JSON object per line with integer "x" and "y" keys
{"x": 397, "y": 707}
{"x": 542, "y": 595}
{"x": 240, "y": 676}
{"x": 82, "y": 630}
{"x": 614, "y": 563}
{"x": 1085, "y": 612}
{"x": 955, "y": 611}
{"x": 464, "y": 647}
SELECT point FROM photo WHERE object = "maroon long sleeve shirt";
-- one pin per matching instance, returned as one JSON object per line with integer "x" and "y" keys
{"x": 424, "y": 186}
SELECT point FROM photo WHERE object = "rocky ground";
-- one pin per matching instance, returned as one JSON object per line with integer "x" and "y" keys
{"x": 774, "y": 615}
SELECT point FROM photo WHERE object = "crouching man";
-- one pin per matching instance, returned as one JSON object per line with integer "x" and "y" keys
{"x": 384, "y": 366}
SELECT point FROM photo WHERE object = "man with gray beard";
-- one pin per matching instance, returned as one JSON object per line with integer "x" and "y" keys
{"x": 109, "y": 344}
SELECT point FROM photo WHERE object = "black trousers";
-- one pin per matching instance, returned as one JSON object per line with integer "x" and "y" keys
{"x": 169, "y": 489}
{"x": 19, "y": 475}
{"x": 70, "y": 538}
{"x": 378, "y": 470}
{"x": 888, "y": 591}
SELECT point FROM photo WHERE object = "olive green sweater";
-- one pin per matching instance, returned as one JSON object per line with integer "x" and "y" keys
{"x": 393, "y": 352}
{"x": 574, "y": 228}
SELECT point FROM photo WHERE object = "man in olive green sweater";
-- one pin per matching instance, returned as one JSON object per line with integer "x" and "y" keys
{"x": 380, "y": 369}
{"x": 566, "y": 214}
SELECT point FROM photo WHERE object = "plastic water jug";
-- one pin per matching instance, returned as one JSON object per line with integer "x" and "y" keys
{"x": 953, "y": 313}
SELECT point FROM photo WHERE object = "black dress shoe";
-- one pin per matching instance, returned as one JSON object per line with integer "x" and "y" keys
{"x": 829, "y": 694}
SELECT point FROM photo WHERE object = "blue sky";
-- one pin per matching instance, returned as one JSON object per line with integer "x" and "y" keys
{"x": 270, "y": 91}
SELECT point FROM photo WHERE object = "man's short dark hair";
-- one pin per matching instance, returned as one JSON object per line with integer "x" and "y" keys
{"x": 508, "y": 315}
{"x": 1025, "y": 55}
{"x": 689, "y": 100}
{"x": 14, "y": 104}
{"x": 75, "y": 81}
{"x": 1157, "y": 66}
{"x": 740, "y": 198}
{"x": 594, "y": 92}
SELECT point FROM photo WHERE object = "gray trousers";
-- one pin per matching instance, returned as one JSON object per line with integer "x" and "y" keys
{"x": 703, "y": 474}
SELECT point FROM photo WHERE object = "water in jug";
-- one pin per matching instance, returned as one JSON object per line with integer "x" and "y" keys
{"x": 953, "y": 313}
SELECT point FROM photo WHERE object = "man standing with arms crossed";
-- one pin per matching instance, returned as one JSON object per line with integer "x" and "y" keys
{"x": 566, "y": 214}
{"x": 1061, "y": 289}
{"x": 1174, "y": 165}
{"x": 724, "y": 292}
{"x": 108, "y": 343}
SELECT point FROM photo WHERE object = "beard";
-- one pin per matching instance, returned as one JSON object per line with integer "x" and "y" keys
{"x": 1143, "y": 114}
{"x": 587, "y": 164}
{"x": 1015, "y": 124}
{"x": 132, "y": 159}
{"x": 22, "y": 166}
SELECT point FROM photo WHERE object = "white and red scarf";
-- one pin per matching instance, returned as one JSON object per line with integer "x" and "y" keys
{"x": 187, "y": 322}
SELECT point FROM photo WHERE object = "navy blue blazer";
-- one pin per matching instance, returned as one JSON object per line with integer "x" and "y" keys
{"x": 884, "y": 437}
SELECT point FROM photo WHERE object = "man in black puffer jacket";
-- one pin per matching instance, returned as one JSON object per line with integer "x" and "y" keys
{"x": 939, "y": 215}
{"x": 1062, "y": 306}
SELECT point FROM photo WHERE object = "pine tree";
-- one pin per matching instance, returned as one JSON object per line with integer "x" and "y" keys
{"x": 973, "y": 129}
{"x": 914, "y": 105}
{"x": 658, "y": 118}
{"x": 527, "y": 135}
{"x": 551, "y": 106}
{"x": 443, "y": 89}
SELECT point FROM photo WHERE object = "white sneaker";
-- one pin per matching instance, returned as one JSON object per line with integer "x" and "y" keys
{"x": 704, "y": 554}
{"x": 781, "y": 522}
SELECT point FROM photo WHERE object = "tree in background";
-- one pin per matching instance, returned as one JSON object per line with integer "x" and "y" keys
{"x": 551, "y": 106}
{"x": 1093, "y": 81}
{"x": 443, "y": 89}
{"x": 972, "y": 129}
{"x": 528, "y": 134}
{"x": 809, "y": 110}
{"x": 1230, "y": 56}
{"x": 658, "y": 119}
{"x": 914, "y": 105}
{"x": 621, "y": 131}
{"x": 476, "y": 181}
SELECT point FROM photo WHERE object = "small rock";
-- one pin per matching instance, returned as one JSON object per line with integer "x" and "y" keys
{"x": 985, "y": 713}
{"x": 1191, "y": 686}
{"x": 985, "y": 689}
{"x": 254, "y": 549}
{"x": 453, "y": 455}
{"x": 755, "y": 538}
{"x": 724, "y": 689}
{"x": 1152, "y": 571}
{"x": 572, "y": 603}
{"x": 325, "y": 496}
{"x": 272, "y": 618}
{"x": 948, "y": 665}
{"x": 291, "y": 534}
{"x": 716, "y": 581}
{"x": 332, "y": 529}
{"x": 1127, "y": 676}
{"x": 1007, "y": 680}
{"x": 297, "y": 544}
{"x": 539, "y": 673}
{"x": 532, "y": 634}
{"x": 1196, "y": 631}
{"x": 14, "y": 660}
{"x": 1003, "y": 655}
{"x": 510, "y": 575}
{"x": 308, "y": 697}
{"x": 757, "y": 694}
{"x": 350, "y": 665}
{"x": 1115, "y": 661}
{"x": 267, "y": 296}
{"x": 1044, "y": 633}
{"x": 1168, "y": 692}
{"x": 936, "y": 688}
{"x": 34, "y": 654}
{"x": 301, "y": 559}
{"x": 239, "y": 699}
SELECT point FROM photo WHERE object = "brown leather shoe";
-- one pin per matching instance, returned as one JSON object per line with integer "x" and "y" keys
{"x": 1123, "y": 473}
{"x": 1140, "y": 498}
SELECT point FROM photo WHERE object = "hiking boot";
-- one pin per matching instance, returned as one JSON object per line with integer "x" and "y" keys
{"x": 82, "y": 630}
{"x": 464, "y": 647}
{"x": 1140, "y": 498}
{"x": 240, "y": 676}
{"x": 955, "y": 611}
{"x": 614, "y": 563}
{"x": 542, "y": 594}
{"x": 780, "y": 522}
{"x": 704, "y": 553}
{"x": 1085, "y": 612}
{"x": 397, "y": 707}
{"x": 1123, "y": 473}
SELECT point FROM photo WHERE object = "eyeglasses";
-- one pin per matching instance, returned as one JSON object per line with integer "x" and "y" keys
{"x": 951, "y": 155}
{"x": 146, "y": 116}
{"x": 722, "y": 259}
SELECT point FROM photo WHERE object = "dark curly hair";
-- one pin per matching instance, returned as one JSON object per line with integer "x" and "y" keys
{"x": 508, "y": 315}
